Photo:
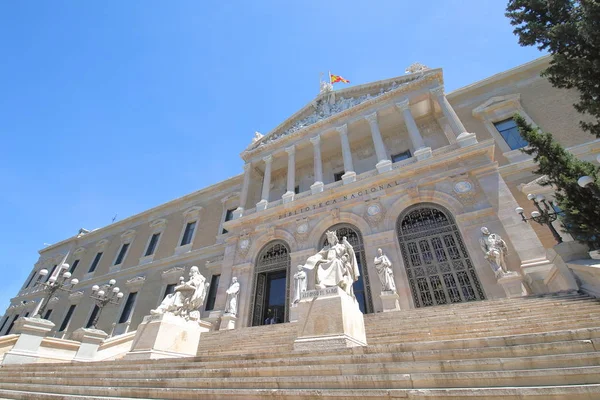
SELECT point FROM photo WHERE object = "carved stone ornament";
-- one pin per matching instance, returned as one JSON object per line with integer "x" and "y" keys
{"x": 76, "y": 295}
{"x": 302, "y": 228}
{"x": 172, "y": 274}
{"x": 54, "y": 299}
{"x": 135, "y": 283}
{"x": 465, "y": 191}
{"x": 374, "y": 213}
{"x": 243, "y": 245}
{"x": 416, "y": 67}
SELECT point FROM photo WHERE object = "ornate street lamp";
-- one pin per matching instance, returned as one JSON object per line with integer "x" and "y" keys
{"x": 588, "y": 182}
{"x": 53, "y": 285}
{"x": 544, "y": 216}
{"x": 103, "y": 295}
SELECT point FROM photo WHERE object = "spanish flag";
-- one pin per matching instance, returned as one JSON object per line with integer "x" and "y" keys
{"x": 336, "y": 78}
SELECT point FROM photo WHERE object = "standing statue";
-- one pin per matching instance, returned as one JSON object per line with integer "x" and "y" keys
{"x": 232, "y": 297}
{"x": 383, "y": 266}
{"x": 495, "y": 251}
{"x": 299, "y": 283}
{"x": 335, "y": 265}
{"x": 187, "y": 297}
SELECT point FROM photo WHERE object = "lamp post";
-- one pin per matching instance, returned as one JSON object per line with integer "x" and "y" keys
{"x": 103, "y": 295}
{"x": 544, "y": 216}
{"x": 588, "y": 182}
{"x": 53, "y": 285}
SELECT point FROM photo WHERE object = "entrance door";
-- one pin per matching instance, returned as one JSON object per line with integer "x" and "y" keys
{"x": 270, "y": 299}
{"x": 437, "y": 263}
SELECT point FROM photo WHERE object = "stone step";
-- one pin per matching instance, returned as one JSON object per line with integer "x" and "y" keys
{"x": 541, "y": 377}
{"x": 571, "y": 392}
{"x": 345, "y": 367}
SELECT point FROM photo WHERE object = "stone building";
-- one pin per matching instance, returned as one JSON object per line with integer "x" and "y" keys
{"x": 396, "y": 164}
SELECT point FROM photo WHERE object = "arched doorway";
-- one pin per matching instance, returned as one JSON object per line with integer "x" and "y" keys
{"x": 271, "y": 291}
{"x": 438, "y": 266}
{"x": 362, "y": 288}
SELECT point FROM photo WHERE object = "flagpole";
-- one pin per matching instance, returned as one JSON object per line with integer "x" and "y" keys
{"x": 330, "y": 77}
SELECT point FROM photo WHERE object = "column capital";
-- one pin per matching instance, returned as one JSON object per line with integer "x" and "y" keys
{"x": 403, "y": 105}
{"x": 371, "y": 118}
{"x": 343, "y": 129}
{"x": 437, "y": 91}
{"x": 291, "y": 150}
{"x": 247, "y": 167}
{"x": 316, "y": 140}
{"x": 268, "y": 158}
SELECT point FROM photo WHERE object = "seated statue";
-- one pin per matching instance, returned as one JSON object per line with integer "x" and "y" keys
{"x": 187, "y": 297}
{"x": 335, "y": 265}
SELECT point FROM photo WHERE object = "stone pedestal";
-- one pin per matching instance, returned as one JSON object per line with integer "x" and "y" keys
{"x": 316, "y": 187}
{"x": 262, "y": 205}
{"x": 294, "y": 313}
{"x": 423, "y": 153}
{"x": 90, "y": 340}
{"x": 383, "y": 166}
{"x": 466, "y": 139}
{"x": 288, "y": 197}
{"x": 166, "y": 336}
{"x": 32, "y": 331}
{"x": 512, "y": 283}
{"x": 227, "y": 322}
{"x": 349, "y": 177}
{"x": 328, "y": 319}
{"x": 390, "y": 301}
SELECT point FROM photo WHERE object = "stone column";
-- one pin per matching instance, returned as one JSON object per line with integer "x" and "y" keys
{"x": 317, "y": 187}
{"x": 264, "y": 202}
{"x": 291, "y": 175}
{"x": 244, "y": 195}
{"x": 421, "y": 152}
{"x": 463, "y": 138}
{"x": 349, "y": 174}
{"x": 383, "y": 164}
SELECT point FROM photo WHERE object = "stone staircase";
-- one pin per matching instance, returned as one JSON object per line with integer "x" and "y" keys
{"x": 544, "y": 347}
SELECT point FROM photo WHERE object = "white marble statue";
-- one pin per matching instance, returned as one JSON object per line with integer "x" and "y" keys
{"x": 299, "y": 283}
{"x": 257, "y": 137}
{"x": 335, "y": 265}
{"x": 495, "y": 251}
{"x": 232, "y": 297}
{"x": 383, "y": 266}
{"x": 187, "y": 297}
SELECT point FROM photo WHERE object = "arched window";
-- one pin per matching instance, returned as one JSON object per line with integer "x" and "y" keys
{"x": 437, "y": 263}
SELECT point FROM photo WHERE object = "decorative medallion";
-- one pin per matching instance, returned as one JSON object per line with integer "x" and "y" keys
{"x": 465, "y": 191}
{"x": 463, "y": 187}
{"x": 302, "y": 228}
{"x": 243, "y": 245}
{"x": 374, "y": 213}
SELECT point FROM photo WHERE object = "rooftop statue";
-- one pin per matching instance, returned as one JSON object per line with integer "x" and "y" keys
{"x": 187, "y": 297}
{"x": 257, "y": 137}
{"x": 416, "y": 67}
{"x": 335, "y": 264}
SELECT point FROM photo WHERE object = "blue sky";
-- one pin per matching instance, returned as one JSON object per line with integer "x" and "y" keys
{"x": 114, "y": 107}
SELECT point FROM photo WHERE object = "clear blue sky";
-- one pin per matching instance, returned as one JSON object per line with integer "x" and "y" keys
{"x": 114, "y": 107}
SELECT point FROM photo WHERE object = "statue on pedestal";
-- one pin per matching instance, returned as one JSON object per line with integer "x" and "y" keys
{"x": 187, "y": 297}
{"x": 335, "y": 265}
{"x": 383, "y": 266}
{"x": 300, "y": 283}
{"x": 232, "y": 296}
{"x": 495, "y": 251}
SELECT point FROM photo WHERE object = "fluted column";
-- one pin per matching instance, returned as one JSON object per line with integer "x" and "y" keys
{"x": 318, "y": 185}
{"x": 264, "y": 202}
{"x": 291, "y": 175}
{"x": 244, "y": 195}
{"x": 349, "y": 174}
{"x": 383, "y": 164}
{"x": 463, "y": 138}
{"x": 421, "y": 152}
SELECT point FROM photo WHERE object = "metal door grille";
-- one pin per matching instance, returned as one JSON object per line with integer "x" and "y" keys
{"x": 437, "y": 263}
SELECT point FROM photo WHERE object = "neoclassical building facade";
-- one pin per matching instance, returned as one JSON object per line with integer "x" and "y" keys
{"x": 398, "y": 165}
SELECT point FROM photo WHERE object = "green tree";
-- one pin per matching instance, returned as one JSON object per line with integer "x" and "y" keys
{"x": 562, "y": 170}
{"x": 570, "y": 31}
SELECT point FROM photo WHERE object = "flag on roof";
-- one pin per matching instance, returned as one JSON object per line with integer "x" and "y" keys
{"x": 336, "y": 78}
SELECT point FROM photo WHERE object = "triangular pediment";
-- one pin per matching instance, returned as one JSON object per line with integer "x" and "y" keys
{"x": 495, "y": 102}
{"x": 330, "y": 103}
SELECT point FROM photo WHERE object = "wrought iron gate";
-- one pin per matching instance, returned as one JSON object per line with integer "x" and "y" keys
{"x": 275, "y": 256}
{"x": 437, "y": 263}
